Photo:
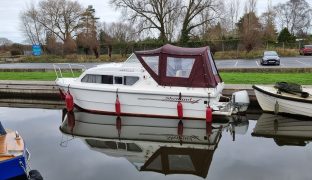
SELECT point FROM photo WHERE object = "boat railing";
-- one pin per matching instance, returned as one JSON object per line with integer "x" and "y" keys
{"x": 58, "y": 67}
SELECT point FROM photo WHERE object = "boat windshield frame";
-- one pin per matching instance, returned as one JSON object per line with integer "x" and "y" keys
{"x": 132, "y": 61}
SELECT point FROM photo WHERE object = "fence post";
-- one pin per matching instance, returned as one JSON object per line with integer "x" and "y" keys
{"x": 237, "y": 51}
{"x": 284, "y": 46}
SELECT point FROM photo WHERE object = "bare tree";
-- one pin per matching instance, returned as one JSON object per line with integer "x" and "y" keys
{"x": 61, "y": 17}
{"x": 295, "y": 15}
{"x": 267, "y": 20}
{"x": 192, "y": 10}
{"x": 250, "y": 31}
{"x": 149, "y": 15}
{"x": 31, "y": 26}
{"x": 233, "y": 11}
{"x": 120, "y": 32}
{"x": 251, "y": 6}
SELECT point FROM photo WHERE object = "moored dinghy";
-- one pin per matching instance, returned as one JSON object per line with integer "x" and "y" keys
{"x": 169, "y": 82}
{"x": 13, "y": 155}
{"x": 280, "y": 99}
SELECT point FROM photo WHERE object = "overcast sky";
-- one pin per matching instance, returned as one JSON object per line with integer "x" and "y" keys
{"x": 10, "y": 9}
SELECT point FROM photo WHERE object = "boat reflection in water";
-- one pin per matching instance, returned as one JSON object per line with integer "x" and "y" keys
{"x": 167, "y": 146}
{"x": 284, "y": 130}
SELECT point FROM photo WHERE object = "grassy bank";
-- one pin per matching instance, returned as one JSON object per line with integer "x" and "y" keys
{"x": 35, "y": 76}
{"x": 228, "y": 77}
{"x": 266, "y": 78}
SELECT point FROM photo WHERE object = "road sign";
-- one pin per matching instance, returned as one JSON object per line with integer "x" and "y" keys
{"x": 36, "y": 50}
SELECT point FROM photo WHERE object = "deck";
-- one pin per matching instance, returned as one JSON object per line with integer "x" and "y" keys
{"x": 10, "y": 147}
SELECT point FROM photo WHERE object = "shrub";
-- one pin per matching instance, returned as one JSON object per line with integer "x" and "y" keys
{"x": 15, "y": 52}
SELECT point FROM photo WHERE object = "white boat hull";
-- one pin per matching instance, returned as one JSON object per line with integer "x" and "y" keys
{"x": 280, "y": 126}
{"x": 268, "y": 98}
{"x": 146, "y": 104}
{"x": 140, "y": 129}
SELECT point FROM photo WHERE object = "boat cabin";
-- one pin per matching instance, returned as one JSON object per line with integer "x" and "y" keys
{"x": 168, "y": 66}
{"x": 184, "y": 67}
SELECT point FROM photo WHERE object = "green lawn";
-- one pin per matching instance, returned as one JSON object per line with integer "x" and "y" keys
{"x": 228, "y": 77}
{"x": 266, "y": 78}
{"x": 36, "y": 76}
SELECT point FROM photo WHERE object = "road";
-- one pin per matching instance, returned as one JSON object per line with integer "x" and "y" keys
{"x": 286, "y": 62}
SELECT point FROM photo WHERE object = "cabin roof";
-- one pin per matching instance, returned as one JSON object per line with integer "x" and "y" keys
{"x": 175, "y": 50}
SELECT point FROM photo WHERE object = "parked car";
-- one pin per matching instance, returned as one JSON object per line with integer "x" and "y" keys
{"x": 270, "y": 57}
{"x": 306, "y": 50}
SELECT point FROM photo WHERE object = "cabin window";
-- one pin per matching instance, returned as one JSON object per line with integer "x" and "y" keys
{"x": 130, "y": 80}
{"x": 90, "y": 78}
{"x": 214, "y": 69}
{"x": 121, "y": 145}
{"x": 118, "y": 80}
{"x": 152, "y": 62}
{"x": 180, "y": 163}
{"x": 102, "y": 144}
{"x": 133, "y": 147}
{"x": 107, "y": 79}
{"x": 179, "y": 67}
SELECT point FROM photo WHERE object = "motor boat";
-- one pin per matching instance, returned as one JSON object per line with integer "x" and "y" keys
{"x": 144, "y": 141}
{"x": 285, "y": 130}
{"x": 273, "y": 99}
{"x": 168, "y": 82}
{"x": 14, "y": 157}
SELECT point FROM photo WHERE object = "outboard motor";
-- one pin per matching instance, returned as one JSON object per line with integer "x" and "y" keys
{"x": 2, "y": 130}
{"x": 240, "y": 101}
{"x": 35, "y": 175}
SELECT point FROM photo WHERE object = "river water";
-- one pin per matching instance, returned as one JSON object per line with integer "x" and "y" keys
{"x": 270, "y": 147}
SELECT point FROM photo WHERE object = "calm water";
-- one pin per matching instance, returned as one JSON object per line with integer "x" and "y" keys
{"x": 275, "y": 148}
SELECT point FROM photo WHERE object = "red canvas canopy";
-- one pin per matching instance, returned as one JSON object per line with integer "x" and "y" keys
{"x": 172, "y": 160}
{"x": 176, "y": 66}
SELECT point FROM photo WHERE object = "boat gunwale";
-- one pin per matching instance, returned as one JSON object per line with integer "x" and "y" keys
{"x": 280, "y": 96}
{"x": 140, "y": 92}
{"x": 132, "y": 140}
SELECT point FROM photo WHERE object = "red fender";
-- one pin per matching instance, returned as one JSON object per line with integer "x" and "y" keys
{"x": 117, "y": 107}
{"x": 209, "y": 114}
{"x": 69, "y": 101}
{"x": 180, "y": 110}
